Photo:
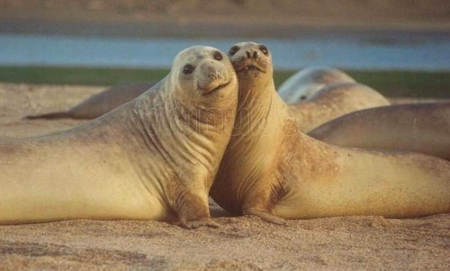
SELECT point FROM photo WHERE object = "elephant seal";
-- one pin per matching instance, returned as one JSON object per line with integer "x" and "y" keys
{"x": 336, "y": 100}
{"x": 422, "y": 127}
{"x": 99, "y": 104}
{"x": 308, "y": 81}
{"x": 272, "y": 170}
{"x": 153, "y": 158}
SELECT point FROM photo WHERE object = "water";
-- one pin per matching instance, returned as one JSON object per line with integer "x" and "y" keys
{"x": 406, "y": 52}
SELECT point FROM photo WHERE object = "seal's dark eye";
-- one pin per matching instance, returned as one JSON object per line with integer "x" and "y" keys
{"x": 188, "y": 69}
{"x": 218, "y": 56}
{"x": 264, "y": 49}
{"x": 233, "y": 50}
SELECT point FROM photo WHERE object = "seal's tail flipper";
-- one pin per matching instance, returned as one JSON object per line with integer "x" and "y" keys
{"x": 55, "y": 115}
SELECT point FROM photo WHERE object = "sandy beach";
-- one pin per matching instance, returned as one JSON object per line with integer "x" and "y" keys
{"x": 241, "y": 243}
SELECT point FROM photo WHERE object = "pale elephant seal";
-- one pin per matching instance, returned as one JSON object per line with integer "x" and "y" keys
{"x": 99, "y": 104}
{"x": 308, "y": 81}
{"x": 272, "y": 170}
{"x": 334, "y": 101}
{"x": 423, "y": 127}
{"x": 152, "y": 158}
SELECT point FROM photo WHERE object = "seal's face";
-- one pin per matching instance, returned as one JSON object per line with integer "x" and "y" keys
{"x": 252, "y": 62}
{"x": 203, "y": 71}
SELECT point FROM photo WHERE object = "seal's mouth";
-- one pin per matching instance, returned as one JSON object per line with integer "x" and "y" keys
{"x": 250, "y": 67}
{"x": 221, "y": 86}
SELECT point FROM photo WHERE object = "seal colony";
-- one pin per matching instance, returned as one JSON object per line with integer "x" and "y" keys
{"x": 272, "y": 170}
{"x": 421, "y": 128}
{"x": 99, "y": 104}
{"x": 156, "y": 157}
{"x": 152, "y": 158}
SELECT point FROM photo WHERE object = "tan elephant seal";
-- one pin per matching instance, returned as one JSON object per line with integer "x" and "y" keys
{"x": 308, "y": 81}
{"x": 423, "y": 127}
{"x": 334, "y": 101}
{"x": 272, "y": 170}
{"x": 152, "y": 158}
{"x": 99, "y": 104}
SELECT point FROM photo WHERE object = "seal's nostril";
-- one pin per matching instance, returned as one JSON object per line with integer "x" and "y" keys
{"x": 255, "y": 55}
{"x": 248, "y": 54}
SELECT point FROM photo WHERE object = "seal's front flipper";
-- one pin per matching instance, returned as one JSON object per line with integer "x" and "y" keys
{"x": 266, "y": 216}
{"x": 260, "y": 200}
{"x": 193, "y": 212}
{"x": 204, "y": 222}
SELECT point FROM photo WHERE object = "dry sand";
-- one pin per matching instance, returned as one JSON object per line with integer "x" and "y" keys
{"x": 241, "y": 243}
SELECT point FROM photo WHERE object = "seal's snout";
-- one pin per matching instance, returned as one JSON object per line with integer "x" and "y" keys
{"x": 214, "y": 76}
{"x": 252, "y": 54}
{"x": 213, "y": 72}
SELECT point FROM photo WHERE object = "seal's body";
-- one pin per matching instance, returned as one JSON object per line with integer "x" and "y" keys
{"x": 272, "y": 170}
{"x": 423, "y": 127}
{"x": 334, "y": 101}
{"x": 101, "y": 103}
{"x": 308, "y": 81}
{"x": 152, "y": 158}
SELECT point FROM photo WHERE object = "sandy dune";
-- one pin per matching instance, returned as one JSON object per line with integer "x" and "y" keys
{"x": 242, "y": 243}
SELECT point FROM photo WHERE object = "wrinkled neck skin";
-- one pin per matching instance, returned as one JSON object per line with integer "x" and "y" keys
{"x": 189, "y": 137}
{"x": 259, "y": 126}
{"x": 260, "y": 108}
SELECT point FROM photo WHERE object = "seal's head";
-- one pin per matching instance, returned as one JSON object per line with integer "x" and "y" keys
{"x": 203, "y": 87}
{"x": 204, "y": 75}
{"x": 305, "y": 83}
{"x": 252, "y": 62}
